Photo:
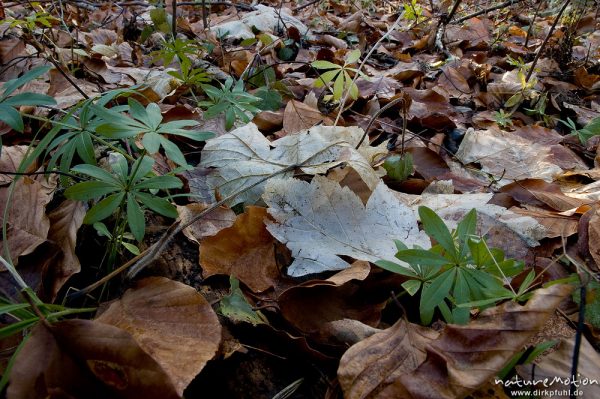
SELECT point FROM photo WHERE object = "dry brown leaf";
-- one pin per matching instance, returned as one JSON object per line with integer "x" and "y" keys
{"x": 59, "y": 362}
{"x": 313, "y": 305}
{"x": 27, "y": 222}
{"x": 539, "y": 193}
{"x": 245, "y": 251}
{"x": 556, "y": 225}
{"x": 299, "y": 116}
{"x": 64, "y": 223}
{"x": 408, "y": 361}
{"x": 594, "y": 237}
{"x": 558, "y": 364}
{"x": 209, "y": 225}
{"x": 172, "y": 323}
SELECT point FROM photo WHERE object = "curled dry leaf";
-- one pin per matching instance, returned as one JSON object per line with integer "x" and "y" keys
{"x": 27, "y": 222}
{"x": 410, "y": 361}
{"x": 64, "y": 223}
{"x": 244, "y": 156}
{"x": 62, "y": 360}
{"x": 209, "y": 225}
{"x": 321, "y": 221}
{"x": 245, "y": 251}
{"x": 172, "y": 323}
{"x": 507, "y": 155}
{"x": 558, "y": 364}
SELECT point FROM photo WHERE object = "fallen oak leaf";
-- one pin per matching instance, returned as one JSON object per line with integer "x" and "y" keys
{"x": 406, "y": 361}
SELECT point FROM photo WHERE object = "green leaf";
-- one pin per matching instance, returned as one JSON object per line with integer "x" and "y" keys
{"x": 396, "y": 268}
{"x": 352, "y": 56}
{"x": 12, "y": 118}
{"x": 104, "y": 208}
{"x": 158, "y": 205}
{"x": 422, "y": 257}
{"x": 399, "y": 167}
{"x": 135, "y": 218}
{"x": 88, "y": 190}
{"x": 141, "y": 167}
{"x": 235, "y": 306}
{"x": 151, "y": 142}
{"x": 131, "y": 248}
{"x": 435, "y": 227}
{"x": 159, "y": 182}
{"x": 271, "y": 99}
{"x": 14, "y": 84}
{"x": 85, "y": 148}
{"x": 16, "y": 327}
{"x": 321, "y": 64}
{"x": 102, "y": 229}
{"x": 435, "y": 292}
{"x": 173, "y": 152}
{"x": 29, "y": 98}
{"x": 96, "y": 173}
{"x": 338, "y": 87}
{"x": 153, "y": 115}
{"x": 411, "y": 286}
{"x": 539, "y": 349}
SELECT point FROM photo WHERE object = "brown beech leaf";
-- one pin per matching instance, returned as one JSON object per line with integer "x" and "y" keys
{"x": 245, "y": 251}
{"x": 64, "y": 223}
{"x": 558, "y": 364}
{"x": 594, "y": 237}
{"x": 537, "y": 192}
{"x": 61, "y": 361}
{"x": 408, "y": 361}
{"x": 209, "y": 225}
{"x": 298, "y": 116}
{"x": 27, "y": 222}
{"x": 172, "y": 323}
{"x": 334, "y": 299}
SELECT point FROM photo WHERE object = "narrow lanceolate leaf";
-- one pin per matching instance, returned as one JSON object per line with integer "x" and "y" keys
{"x": 104, "y": 208}
{"x": 321, "y": 64}
{"x": 321, "y": 221}
{"x": 435, "y": 227}
{"x": 96, "y": 173}
{"x": 29, "y": 99}
{"x": 422, "y": 257}
{"x": 88, "y": 190}
{"x": 158, "y": 205}
{"x": 159, "y": 182}
{"x": 12, "y": 118}
{"x": 135, "y": 218}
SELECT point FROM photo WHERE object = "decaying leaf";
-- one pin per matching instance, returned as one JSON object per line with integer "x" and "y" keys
{"x": 409, "y": 361}
{"x": 62, "y": 361}
{"x": 508, "y": 155}
{"x": 172, "y": 323}
{"x": 64, "y": 223}
{"x": 321, "y": 220}
{"x": 244, "y": 156}
{"x": 245, "y": 251}
{"x": 558, "y": 364}
{"x": 209, "y": 225}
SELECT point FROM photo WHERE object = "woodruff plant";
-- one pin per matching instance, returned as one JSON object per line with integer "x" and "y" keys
{"x": 459, "y": 272}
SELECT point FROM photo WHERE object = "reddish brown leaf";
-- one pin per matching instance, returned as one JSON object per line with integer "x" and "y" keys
{"x": 245, "y": 250}
{"x": 62, "y": 361}
{"x": 64, "y": 223}
{"x": 408, "y": 361}
{"x": 299, "y": 116}
{"x": 172, "y": 323}
{"x": 209, "y": 225}
{"x": 537, "y": 192}
{"x": 594, "y": 237}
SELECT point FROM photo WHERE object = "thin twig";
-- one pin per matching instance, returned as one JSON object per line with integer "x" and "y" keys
{"x": 374, "y": 117}
{"x": 303, "y": 6}
{"x": 174, "y": 20}
{"x": 541, "y": 49}
{"x": 361, "y": 66}
{"x": 530, "y": 29}
{"x": 486, "y": 10}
